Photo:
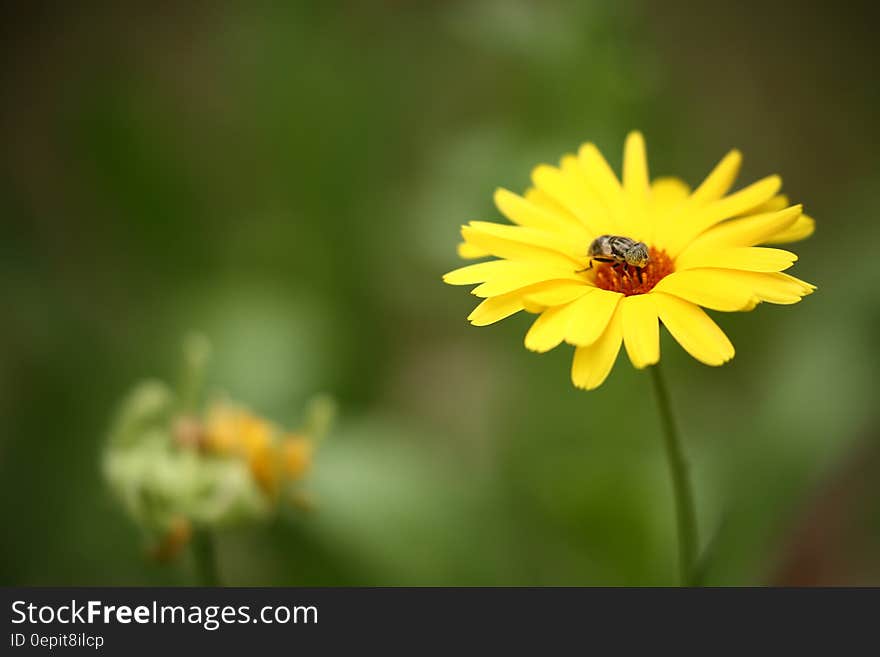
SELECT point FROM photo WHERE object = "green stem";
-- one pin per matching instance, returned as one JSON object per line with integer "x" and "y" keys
{"x": 681, "y": 486}
{"x": 196, "y": 350}
{"x": 205, "y": 555}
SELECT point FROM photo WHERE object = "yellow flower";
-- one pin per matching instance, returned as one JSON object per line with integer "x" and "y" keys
{"x": 703, "y": 251}
{"x": 273, "y": 458}
{"x": 297, "y": 452}
{"x": 222, "y": 429}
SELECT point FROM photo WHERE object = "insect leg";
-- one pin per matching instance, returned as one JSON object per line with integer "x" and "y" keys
{"x": 578, "y": 271}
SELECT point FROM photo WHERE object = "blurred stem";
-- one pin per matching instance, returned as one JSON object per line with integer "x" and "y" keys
{"x": 196, "y": 350}
{"x": 681, "y": 485}
{"x": 205, "y": 555}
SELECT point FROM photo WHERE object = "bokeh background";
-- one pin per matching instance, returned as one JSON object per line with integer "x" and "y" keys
{"x": 291, "y": 180}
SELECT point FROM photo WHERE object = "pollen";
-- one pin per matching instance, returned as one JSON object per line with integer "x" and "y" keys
{"x": 630, "y": 280}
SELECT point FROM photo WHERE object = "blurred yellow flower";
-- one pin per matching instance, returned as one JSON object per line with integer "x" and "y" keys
{"x": 273, "y": 457}
{"x": 179, "y": 471}
{"x": 296, "y": 455}
{"x": 702, "y": 245}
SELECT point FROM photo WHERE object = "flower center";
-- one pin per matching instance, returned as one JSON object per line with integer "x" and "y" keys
{"x": 630, "y": 280}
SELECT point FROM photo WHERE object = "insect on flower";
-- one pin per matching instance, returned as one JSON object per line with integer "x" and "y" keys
{"x": 619, "y": 250}
{"x": 658, "y": 253}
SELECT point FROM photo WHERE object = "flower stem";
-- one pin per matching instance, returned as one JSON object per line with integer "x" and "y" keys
{"x": 196, "y": 350}
{"x": 205, "y": 555}
{"x": 681, "y": 485}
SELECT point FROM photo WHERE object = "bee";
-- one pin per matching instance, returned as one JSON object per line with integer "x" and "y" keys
{"x": 619, "y": 250}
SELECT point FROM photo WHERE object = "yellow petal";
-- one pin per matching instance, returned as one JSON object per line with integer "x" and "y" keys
{"x": 667, "y": 199}
{"x": 477, "y": 273}
{"x": 607, "y": 188}
{"x": 591, "y": 365}
{"x": 747, "y": 231}
{"x": 550, "y": 328}
{"x": 470, "y": 251}
{"x": 544, "y": 200}
{"x": 515, "y": 246}
{"x": 575, "y": 196}
{"x": 641, "y": 330}
{"x": 677, "y": 235}
{"x": 559, "y": 292}
{"x": 720, "y": 180}
{"x": 545, "y": 239}
{"x": 592, "y": 313}
{"x": 522, "y": 212}
{"x": 732, "y": 290}
{"x": 516, "y": 280}
{"x": 502, "y": 276}
{"x": 693, "y": 329}
{"x": 666, "y": 193}
{"x": 746, "y": 258}
{"x": 800, "y": 229}
{"x": 494, "y": 309}
{"x": 737, "y": 203}
{"x": 497, "y": 308}
{"x": 580, "y": 322}
{"x": 776, "y": 288}
{"x": 600, "y": 175}
{"x": 775, "y": 204}
{"x": 718, "y": 289}
{"x": 635, "y": 167}
{"x": 803, "y": 286}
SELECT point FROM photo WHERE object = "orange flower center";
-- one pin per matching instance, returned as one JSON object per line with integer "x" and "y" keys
{"x": 630, "y": 280}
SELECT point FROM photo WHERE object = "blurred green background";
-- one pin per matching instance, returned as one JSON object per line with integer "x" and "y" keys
{"x": 291, "y": 181}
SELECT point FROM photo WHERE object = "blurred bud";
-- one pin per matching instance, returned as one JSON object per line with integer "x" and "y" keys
{"x": 148, "y": 404}
{"x": 175, "y": 468}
